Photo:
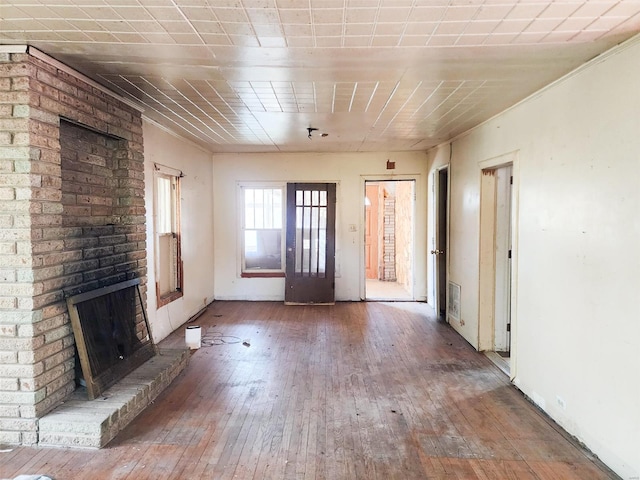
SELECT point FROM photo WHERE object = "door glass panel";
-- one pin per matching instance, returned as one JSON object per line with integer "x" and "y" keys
{"x": 322, "y": 240}
{"x": 313, "y": 264}
{"x": 306, "y": 238}
{"x": 298, "y": 240}
{"x": 311, "y": 233}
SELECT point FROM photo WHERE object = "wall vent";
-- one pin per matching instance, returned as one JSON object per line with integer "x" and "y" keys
{"x": 453, "y": 301}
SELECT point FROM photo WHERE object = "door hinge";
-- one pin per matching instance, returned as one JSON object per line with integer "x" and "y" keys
{"x": 508, "y": 327}
{"x": 509, "y": 254}
{"x": 511, "y": 180}
{"x": 333, "y": 285}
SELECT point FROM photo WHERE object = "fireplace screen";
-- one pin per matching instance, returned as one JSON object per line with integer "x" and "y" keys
{"x": 112, "y": 333}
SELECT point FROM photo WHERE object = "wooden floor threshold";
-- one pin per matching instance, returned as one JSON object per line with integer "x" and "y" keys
{"x": 502, "y": 363}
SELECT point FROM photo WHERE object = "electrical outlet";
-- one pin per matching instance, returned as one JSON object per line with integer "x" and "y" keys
{"x": 461, "y": 323}
{"x": 561, "y": 402}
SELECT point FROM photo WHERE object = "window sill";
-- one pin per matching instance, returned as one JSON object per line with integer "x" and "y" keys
{"x": 262, "y": 275}
{"x": 168, "y": 298}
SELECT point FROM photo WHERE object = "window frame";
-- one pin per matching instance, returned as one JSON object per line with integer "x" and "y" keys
{"x": 176, "y": 269}
{"x": 245, "y": 272}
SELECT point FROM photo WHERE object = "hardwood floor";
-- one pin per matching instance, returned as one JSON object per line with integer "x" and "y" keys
{"x": 352, "y": 391}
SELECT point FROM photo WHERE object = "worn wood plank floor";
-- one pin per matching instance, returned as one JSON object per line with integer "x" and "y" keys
{"x": 351, "y": 391}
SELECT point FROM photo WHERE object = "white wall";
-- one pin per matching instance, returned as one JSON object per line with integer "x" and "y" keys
{"x": 349, "y": 171}
{"x": 577, "y": 315}
{"x": 196, "y": 226}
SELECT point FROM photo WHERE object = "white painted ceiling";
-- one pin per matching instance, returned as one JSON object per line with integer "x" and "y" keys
{"x": 376, "y": 75}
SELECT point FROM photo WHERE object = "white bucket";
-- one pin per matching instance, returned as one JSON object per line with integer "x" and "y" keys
{"x": 193, "y": 336}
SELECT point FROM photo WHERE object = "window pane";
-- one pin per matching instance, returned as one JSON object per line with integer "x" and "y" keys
{"x": 164, "y": 205}
{"x": 249, "y": 212}
{"x": 277, "y": 208}
{"x": 263, "y": 223}
{"x": 263, "y": 249}
{"x": 268, "y": 208}
{"x": 165, "y": 275}
{"x": 250, "y": 242}
{"x": 259, "y": 206}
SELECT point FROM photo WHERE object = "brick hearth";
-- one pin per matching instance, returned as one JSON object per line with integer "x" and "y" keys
{"x": 80, "y": 422}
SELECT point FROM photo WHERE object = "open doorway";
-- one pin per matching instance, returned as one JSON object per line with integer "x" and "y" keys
{"x": 502, "y": 310}
{"x": 496, "y": 234}
{"x": 389, "y": 227}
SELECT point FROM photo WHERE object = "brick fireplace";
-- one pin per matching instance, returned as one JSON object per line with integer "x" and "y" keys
{"x": 72, "y": 219}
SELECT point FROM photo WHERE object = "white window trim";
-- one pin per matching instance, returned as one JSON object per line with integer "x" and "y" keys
{"x": 162, "y": 171}
{"x": 240, "y": 229}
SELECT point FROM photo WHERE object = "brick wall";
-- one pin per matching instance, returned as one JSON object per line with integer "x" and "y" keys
{"x": 100, "y": 247}
{"x": 389, "y": 239}
{"x": 70, "y": 221}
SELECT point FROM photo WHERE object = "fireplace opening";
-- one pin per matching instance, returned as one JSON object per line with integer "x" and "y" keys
{"x": 112, "y": 333}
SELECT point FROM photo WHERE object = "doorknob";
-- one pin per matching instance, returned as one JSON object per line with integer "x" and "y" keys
{"x": 437, "y": 252}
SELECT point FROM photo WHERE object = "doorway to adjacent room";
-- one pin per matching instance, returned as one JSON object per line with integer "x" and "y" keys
{"x": 389, "y": 231}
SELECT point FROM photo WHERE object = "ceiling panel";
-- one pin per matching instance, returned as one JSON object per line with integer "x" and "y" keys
{"x": 252, "y": 75}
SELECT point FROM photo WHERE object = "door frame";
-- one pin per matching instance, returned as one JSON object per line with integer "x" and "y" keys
{"x": 502, "y": 245}
{"x": 361, "y": 243}
{"x": 436, "y": 233}
{"x": 486, "y": 253}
